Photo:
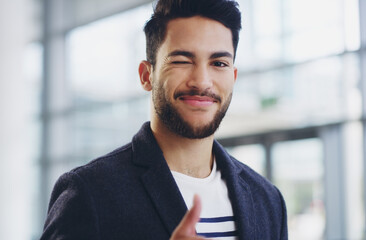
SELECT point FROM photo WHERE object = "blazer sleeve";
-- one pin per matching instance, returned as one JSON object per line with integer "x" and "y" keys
{"x": 71, "y": 213}
{"x": 284, "y": 233}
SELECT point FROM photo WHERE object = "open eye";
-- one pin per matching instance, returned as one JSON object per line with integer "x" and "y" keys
{"x": 219, "y": 64}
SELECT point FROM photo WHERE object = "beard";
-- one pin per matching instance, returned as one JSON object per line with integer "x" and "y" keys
{"x": 173, "y": 120}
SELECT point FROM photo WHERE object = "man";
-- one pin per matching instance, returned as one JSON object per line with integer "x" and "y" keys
{"x": 143, "y": 189}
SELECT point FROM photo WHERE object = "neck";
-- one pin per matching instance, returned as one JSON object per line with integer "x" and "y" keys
{"x": 192, "y": 157}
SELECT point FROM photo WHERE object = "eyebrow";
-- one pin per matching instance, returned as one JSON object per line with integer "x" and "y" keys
{"x": 192, "y": 55}
{"x": 221, "y": 54}
{"x": 181, "y": 53}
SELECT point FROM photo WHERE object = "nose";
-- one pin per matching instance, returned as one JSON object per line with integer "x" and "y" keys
{"x": 200, "y": 78}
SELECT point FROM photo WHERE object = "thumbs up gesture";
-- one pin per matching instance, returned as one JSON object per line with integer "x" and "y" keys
{"x": 186, "y": 230}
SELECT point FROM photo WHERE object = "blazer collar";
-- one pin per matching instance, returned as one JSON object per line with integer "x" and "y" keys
{"x": 239, "y": 192}
{"x": 158, "y": 180}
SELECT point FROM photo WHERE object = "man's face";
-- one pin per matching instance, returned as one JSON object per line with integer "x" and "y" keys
{"x": 194, "y": 75}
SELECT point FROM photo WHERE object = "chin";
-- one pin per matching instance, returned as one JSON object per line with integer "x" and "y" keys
{"x": 199, "y": 120}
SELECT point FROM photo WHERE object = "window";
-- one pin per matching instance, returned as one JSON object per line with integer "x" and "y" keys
{"x": 298, "y": 173}
{"x": 294, "y": 66}
{"x": 109, "y": 104}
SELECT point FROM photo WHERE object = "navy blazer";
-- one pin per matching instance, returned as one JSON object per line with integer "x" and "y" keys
{"x": 131, "y": 194}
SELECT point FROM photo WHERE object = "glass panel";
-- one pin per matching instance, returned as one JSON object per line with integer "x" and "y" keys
{"x": 298, "y": 173}
{"x": 352, "y": 24}
{"x": 251, "y": 155}
{"x": 110, "y": 105}
{"x": 310, "y": 37}
{"x": 274, "y": 91}
{"x": 104, "y": 56}
{"x": 102, "y": 128}
{"x": 81, "y": 11}
{"x": 282, "y": 31}
{"x": 314, "y": 93}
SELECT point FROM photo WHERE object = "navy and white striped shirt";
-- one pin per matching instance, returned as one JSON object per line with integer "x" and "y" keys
{"x": 217, "y": 218}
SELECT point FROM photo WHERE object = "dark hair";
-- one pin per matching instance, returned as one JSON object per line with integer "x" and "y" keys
{"x": 223, "y": 11}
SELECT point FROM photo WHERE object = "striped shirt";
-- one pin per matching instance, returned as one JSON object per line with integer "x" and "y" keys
{"x": 217, "y": 218}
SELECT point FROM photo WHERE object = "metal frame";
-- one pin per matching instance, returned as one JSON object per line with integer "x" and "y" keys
{"x": 45, "y": 108}
{"x": 335, "y": 206}
{"x": 53, "y": 96}
{"x": 362, "y": 14}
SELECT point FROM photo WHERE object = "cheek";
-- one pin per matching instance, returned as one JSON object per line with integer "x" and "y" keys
{"x": 170, "y": 85}
{"x": 226, "y": 84}
{"x": 161, "y": 90}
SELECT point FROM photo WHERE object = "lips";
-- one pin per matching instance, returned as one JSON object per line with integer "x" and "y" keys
{"x": 196, "y": 98}
{"x": 198, "y": 101}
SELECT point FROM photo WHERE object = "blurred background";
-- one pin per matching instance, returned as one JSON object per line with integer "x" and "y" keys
{"x": 69, "y": 92}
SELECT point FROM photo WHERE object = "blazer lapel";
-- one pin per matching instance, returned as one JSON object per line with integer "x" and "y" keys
{"x": 158, "y": 180}
{"x": 165, "y": 195}
{"x": 239, "y": 193}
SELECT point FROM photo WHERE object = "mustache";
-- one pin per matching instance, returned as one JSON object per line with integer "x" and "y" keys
{"x": 195, "y": 92}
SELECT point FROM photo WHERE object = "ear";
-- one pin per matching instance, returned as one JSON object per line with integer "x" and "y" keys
{"x": 235, "y": 74}
{"x": 145, "y": 73}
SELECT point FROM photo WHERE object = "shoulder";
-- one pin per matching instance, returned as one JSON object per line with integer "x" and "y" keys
{"x": 106, "y": 165}
{"x": 100, "y": 168}
{"x": 99, "y": 175}
{"x": 73, "y": 209}
{"x": 117, "y": 157}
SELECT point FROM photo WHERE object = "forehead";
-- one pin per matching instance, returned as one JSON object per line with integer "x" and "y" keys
{"x": 198, "y": 35}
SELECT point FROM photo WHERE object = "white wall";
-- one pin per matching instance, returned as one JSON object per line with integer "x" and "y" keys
{"x": 15, "y": 149}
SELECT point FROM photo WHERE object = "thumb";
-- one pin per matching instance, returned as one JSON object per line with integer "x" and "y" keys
{"x": 187, "y": 227}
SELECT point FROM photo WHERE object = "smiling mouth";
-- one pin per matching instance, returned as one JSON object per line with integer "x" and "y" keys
{"x": 196, "y": 98}
{"x": 198, "y": 101}
{"x": 197, "y": 95}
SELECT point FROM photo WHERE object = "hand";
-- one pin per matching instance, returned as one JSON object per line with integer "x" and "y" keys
{"x": 186, "y": 230}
